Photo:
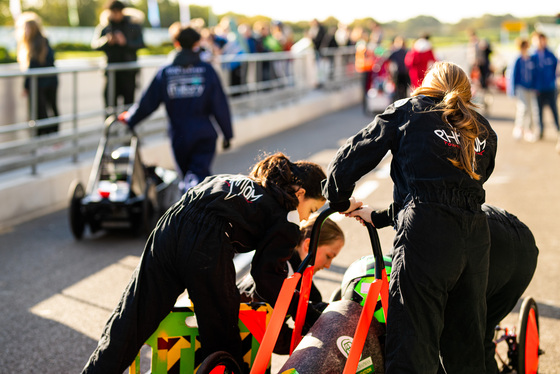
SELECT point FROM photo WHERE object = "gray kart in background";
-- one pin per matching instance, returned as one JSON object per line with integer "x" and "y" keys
{"x": 122, "y": 192}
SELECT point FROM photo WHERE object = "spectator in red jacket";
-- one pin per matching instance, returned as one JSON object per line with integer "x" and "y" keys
{"x": 418, "y": 60}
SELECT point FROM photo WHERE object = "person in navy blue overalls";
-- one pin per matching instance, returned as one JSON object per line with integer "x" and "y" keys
{"x": 545, "y": 64}
{"x": 443, "y": 151}
{"x": 193, "y": 94}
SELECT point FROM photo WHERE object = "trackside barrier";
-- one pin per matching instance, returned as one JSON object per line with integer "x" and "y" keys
{"x": 36, "y": 172}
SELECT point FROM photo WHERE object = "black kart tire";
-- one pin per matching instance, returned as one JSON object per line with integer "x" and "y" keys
{"x": 217, "y": 359}
{"x": 76, "y": 218}
{"x": 528, "y": 338}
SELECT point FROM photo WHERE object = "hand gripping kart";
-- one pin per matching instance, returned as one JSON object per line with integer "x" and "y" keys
{"x": 121, "y": 191}
{"x": 362, "y": 296}
{"x": 301, "y": 361}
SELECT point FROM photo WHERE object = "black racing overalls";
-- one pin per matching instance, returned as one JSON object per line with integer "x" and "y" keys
{"x": 192, "y": 248}
{"x": 513, "y": 260}
{"x": 440, "y": 264}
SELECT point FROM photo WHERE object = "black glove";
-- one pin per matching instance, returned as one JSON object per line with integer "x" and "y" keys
{"x": 381, "y": 218}
{"x": 225, "y": 144}
{"x": 384, "y": 218}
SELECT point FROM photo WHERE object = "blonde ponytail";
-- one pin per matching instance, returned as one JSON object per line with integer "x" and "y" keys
{"x": 449, "y": 83}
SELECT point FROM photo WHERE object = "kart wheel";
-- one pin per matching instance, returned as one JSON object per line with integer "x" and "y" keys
{"x": 528, "y": 339}
{"x": 218, "y": 363}
{"x": 76, "y": 218}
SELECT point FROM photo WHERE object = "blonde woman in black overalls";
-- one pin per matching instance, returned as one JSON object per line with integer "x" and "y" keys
{"x": 443, "y": 151}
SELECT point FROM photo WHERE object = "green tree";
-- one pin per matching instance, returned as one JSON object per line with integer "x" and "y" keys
{"x": 415, "y": 27}
{"x": 168, "y": 12}
{"x": 55, "y": 12}
{"x": 298, "y": 28}
{"x": 88, "y": 11}
{"x": 365, "y": 23}
{"x": 5, "y": 15}
{"x": 330, "y": 22}
{"x": 203, "y": 12}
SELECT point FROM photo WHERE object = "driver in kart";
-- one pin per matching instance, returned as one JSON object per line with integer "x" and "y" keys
{"x": 330, "y": 243}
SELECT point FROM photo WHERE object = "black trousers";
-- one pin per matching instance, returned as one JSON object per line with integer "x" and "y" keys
{"x": 513, "y": 260}
{"x": 402, "y": 82}
{"x": 437, "y": 290}
{"x": 194, "y": 155}
{"x": 125, "y": 85}
{"x": 189, "y": 250}
{"x": 544, "y": 99}
{"x": 47, "y": 107}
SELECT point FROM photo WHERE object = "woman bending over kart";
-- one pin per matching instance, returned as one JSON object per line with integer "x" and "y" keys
{"x": 192, "y": 248}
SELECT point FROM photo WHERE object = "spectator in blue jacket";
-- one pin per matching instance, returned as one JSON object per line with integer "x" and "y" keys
{"x": 193, "y": 94}
{"x": 545, "y": 79}
{"x": 521, "y": 85}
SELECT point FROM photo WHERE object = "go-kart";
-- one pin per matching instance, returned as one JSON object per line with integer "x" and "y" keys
{"x": 340, "y": 341}
{"x": 346, "y": 338}
{"x": 121, "y": 192}
{"x": 521, "y": 350}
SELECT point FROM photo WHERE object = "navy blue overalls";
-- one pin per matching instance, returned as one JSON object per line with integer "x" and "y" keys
{"x": 193, "y": 94}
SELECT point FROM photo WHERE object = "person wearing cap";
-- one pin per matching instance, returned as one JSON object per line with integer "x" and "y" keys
{"x": 119, "y": 35}
{"x": 193, "y": 95}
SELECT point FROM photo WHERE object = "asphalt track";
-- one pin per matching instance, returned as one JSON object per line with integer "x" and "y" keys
{"x": 56, "y": 293}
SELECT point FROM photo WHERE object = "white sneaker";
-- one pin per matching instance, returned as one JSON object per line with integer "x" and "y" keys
{"x": 530, "y": 137}
{"x": 190, "y": 180}
{"x": 517, "y": 133}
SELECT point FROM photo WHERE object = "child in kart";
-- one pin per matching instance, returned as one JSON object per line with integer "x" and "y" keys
{"x": 331, "y": 241}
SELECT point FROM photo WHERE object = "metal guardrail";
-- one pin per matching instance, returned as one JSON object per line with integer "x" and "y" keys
{"x": 293, "y": 76}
